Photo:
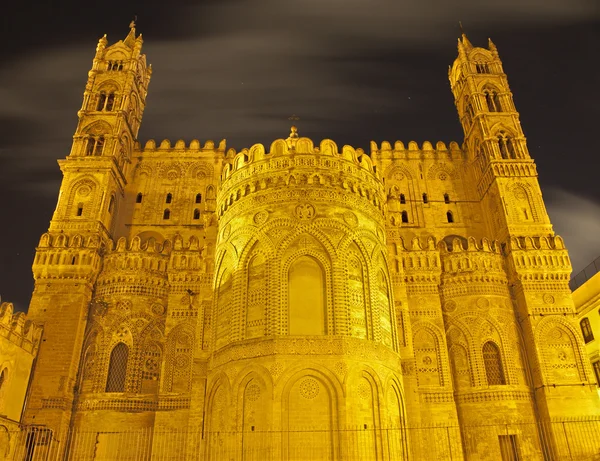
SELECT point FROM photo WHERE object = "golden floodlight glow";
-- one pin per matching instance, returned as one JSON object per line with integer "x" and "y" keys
{"x": 303, "y": 301}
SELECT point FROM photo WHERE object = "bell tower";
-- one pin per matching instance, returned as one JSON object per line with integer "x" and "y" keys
{"x": 538, "y": 267}
{"x": 501, "y": 167}
{"x": 69, "y": 256}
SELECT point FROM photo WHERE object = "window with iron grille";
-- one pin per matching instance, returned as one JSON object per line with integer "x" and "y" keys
{"x": 117, "y": 368}
{"x": 493, "y": 364}
{"x": 596, "y": 367}
{"x": 508, "y": 447}
{"x": 586, "y": 329}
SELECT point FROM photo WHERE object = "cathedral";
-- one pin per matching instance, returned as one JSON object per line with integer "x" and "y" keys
{"x": 304, "y": 300}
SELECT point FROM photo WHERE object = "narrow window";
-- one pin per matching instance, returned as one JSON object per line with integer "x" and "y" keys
{"x": 425, "y": 199}
{"x": 404, "y": 217}
{"x": 493, "y": 364}
{"x": 3, "y": 374}
{"x": 166, "y": 214}
{"x": 101, "y": 101}
{"x": 73, "y": 260}
{"x": 90, "y": 144}
{"x": 502, "y": 145}
{"x": 525, "y": 214}
{"x": 508, "y": 447}
{"x": 497, "y": 104}
{"x": 449, "y": 216}
{"x": 99, "y": 146}
{"x": 586, "y": 329}
{"x": 446, "y": 198}
{"x": 110, "y": 102}
{"x": 196, "y": 213}
{"x": 80, "y": 209}
{"x": 482, "y": 68}
{"x": 120, "y": 66}
{"x": 402, "y": 199}
{"x": 111, "y": 204}
{"x": 596, "y": 367}
{"x": 138, "y": 198}
{"x": 117, "y": 368}
{"x": 510, "y": 145}
{"x": 169, "y": 198}
{"x": 198, "y": 198}
{"x": 490, "y": 102}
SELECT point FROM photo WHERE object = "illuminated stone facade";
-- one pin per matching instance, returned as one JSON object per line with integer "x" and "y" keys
{"x": 303, "y": 286}
{"x": 19, "y": 344}
{"x": 587, "y": 304}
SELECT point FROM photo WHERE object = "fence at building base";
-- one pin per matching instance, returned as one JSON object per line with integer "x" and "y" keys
{"x": 573, "y": 440}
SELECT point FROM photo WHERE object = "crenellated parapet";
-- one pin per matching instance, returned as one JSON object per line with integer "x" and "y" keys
{"x": 400, "y": 151}
{"x": 471, "y": 267}
{"x": 17, "y": 329}
{"x": 296, "y": 170}
{"x": 419, "y": 265}
{"x": 62, "y": 256}
{"x": 166, "y": 146}
{"x": 135, "y": 268}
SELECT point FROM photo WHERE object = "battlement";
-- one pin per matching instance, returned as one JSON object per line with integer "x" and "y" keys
{"x": 180, "y": 146}
{"x": 17, "y": 329}
{"x": 295, "y": 145}
{"x": 400, "y": 151}
{"x": 62, "y": 240}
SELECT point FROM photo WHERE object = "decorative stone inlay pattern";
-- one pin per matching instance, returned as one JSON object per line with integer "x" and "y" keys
{"x": 309, "y": 388}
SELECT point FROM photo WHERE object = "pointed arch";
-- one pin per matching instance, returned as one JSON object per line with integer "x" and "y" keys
{"x": 117, "y": 368}
{"x": 307, "y": 299}
{"x": 492, "y": 361}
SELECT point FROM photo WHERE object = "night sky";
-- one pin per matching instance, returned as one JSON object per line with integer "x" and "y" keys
{"x": 352, "y": 70}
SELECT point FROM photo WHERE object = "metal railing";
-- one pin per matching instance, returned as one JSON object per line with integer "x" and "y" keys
{"x": 573, "y": 440}
{"x": 584, "y": 275}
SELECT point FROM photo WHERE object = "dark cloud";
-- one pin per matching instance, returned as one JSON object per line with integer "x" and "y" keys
{"x": 352, "y": 70}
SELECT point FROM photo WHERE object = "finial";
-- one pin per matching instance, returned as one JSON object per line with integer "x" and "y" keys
{"x": 462, "y": 31}
{"x": 132, "y": 23}
{"x": 294, "y": 129}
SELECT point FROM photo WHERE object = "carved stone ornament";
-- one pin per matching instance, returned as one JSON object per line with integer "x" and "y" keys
{"x": 260, "y": 217}
{"x": 548, "y": 298}
{"x": 351, "y": 219}
{"x": 158, "y": 309}
{"x": 304, "y": 211}
{"x": 449, "y": 306}
{"x": 226, "y": 231}
{"x": 483, "y": 303}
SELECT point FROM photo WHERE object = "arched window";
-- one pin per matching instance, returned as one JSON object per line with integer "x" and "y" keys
{"x": 586, "y": 329}
{"x": 446, "y": 198}
{"x": 425, "y": 199}
{"x": 493, "y": 364}
{"x": 404, "y": 217}
{"x": 402, "y": 199}
{"x": 138, "y": 198}
{"x": 469, "y": 112}
{"x": 117, "y": 368}
{"x": 166, "y": 213}
{"x": 306, "y": 297}
{"x": 507, "y": 146}
{"x": 169, "y": 198}
{"x": 198, "y": 198}
{"x": 449, "y": 216}
{"x": 111, "y": 204}
{"x": 101, "y": 101}
{"x": 196, "y": 213}
{"x": 492, "y": 100}
{"x": 3, "y": 377}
